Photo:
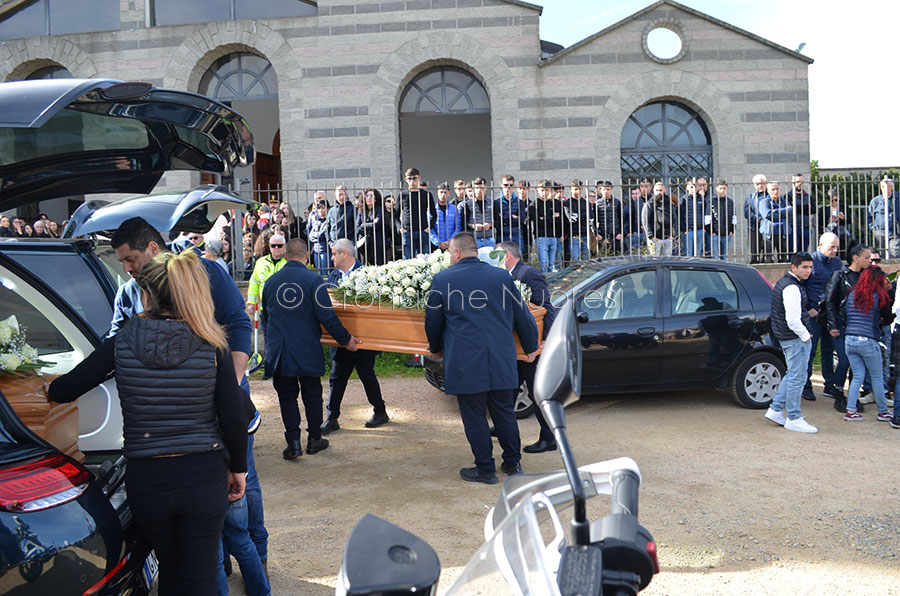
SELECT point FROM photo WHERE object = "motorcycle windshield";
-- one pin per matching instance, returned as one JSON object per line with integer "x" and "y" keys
{"x": 513, "y": 561}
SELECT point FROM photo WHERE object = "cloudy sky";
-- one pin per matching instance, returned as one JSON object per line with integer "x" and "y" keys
{"x": 854, "y": 88}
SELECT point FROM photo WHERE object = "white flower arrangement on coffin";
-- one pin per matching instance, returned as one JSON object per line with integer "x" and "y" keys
{"x": 405, "y": 284}
{"x": 16, "y": 356}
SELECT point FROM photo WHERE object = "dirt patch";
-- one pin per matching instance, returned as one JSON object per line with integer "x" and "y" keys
{"x": 737, "y": 505}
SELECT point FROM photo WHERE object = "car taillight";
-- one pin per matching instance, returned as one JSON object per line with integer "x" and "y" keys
{"x": 41, "y": 483}
{"x": 765, "y": 279}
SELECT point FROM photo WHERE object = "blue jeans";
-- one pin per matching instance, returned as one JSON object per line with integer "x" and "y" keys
{"x": 257, "y": 525}
{"x": 864, "y": 355}
{"x": 721, "y": 246}
{"x": 840, "y": 373}
{"x": 636, "y": 242}
{"x": 481, "y": 242}
{"x": 695, "y": 243}
{"x": 546, "y": 249}
{"x": 796, "y": 354}
{"x": 820, "y": 332}
{"x": 322, "y": 261}
{"x": 579, "y": 248}
{"x": 415, "y": 243}
{"x": 236, "y": 538}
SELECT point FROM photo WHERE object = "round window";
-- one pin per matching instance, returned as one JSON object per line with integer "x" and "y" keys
{"x": 663, "y": 43}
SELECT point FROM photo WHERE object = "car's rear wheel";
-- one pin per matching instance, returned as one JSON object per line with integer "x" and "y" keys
{"x": 524, "y": 405}
{"x": 756, "y": 380}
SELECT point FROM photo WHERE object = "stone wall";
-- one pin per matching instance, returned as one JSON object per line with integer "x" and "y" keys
{"x": 341, "y": 74}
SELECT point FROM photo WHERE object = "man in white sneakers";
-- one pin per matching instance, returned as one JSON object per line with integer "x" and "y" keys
{"x": 791, "y": 325}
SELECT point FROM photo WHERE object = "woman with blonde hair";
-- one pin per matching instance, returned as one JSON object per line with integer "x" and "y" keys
{"x": 185, "y": 427}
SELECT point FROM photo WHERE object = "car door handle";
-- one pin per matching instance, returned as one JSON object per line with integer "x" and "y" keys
{"x": 735, "y": 323}
{"x": 646, "y": 331}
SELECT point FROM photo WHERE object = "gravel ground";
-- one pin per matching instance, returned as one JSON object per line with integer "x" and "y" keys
{"x": 736, "y": 504}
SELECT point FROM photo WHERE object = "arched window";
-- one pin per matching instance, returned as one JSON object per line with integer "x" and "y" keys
{"x": 49, "y": 72}
{"x": 240, "y": 76}
{"x": 445, "y": 125}
{"x": 665, "y": 141}
{"x": 444, "y": 90}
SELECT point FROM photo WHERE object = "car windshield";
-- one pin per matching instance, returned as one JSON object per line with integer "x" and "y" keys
{"x": 561, "y": 283}
{"x": 71, "y": 131}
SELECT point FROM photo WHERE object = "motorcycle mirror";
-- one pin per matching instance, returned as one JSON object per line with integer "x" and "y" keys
{"x": 558, "y": 374}
{"x": 381, "y": 558}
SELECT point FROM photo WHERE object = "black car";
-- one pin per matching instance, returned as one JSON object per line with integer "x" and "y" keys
{"x": 65, "y": 527}
{"x": 668, "y": 323}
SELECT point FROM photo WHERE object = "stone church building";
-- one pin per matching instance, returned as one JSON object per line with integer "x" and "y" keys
{"x": 355, "y": 91}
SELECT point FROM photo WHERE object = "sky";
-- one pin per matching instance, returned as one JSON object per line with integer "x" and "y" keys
{"x": 854, "y": 88}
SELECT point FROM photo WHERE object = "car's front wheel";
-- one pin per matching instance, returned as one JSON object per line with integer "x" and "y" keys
{"x": 524, "y": 405}
{"x": 756, "y": 380}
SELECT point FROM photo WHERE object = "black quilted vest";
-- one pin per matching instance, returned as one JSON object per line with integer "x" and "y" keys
{"x": 166, "y": 378}
{"x": 778, "y": 318}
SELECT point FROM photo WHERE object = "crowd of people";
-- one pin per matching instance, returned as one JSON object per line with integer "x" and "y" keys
{"x": 851, "y": 311}
{"x": 556, "y": 224}
{"x": 43, "y": 227}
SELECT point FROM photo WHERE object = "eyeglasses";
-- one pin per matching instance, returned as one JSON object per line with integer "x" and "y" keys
{"x": 276, "y": 246}
{"x": 875, "y": 260}
{"x": 196, "y": 237}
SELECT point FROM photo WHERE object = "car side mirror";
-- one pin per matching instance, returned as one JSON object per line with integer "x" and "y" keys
{"x": 381, "y": 558}
{"x": 582, "y": 317}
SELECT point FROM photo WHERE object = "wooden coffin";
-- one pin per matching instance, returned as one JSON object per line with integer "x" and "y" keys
{"x": 389, "y": 329}
{"x": 53, "y": 422}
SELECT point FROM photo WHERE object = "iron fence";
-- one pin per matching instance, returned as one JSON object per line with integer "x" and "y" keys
{"x": 556, "y": 224}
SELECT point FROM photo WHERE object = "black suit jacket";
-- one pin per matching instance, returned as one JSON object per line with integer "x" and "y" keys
{"x": 472, "y": 309}
{"x": 295, "y": 306}
{"x": 540, "y": 292}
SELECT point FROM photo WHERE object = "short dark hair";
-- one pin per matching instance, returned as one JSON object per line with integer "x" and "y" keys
{"x": 509, "y": 178}
{"x": 721, "y": 182}
{"x": 137, "y": 234}
{"x": 576, "y": 182}
{"x": 524, "y": 184}
{"x": 799, "y": 258}
{"x": 296, "y": 249}
{"x": 465, "y": 241}
{"x": 412, "y": 172}
{"x": 443, "y": 186}
{"x": 512, "y": 248}
{"x": 478, "y": 180}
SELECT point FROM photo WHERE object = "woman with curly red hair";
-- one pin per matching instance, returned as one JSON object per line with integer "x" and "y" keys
{"x": 867, "y": 305}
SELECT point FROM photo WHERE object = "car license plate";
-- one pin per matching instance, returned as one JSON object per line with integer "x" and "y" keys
{"x": 151, "y": 568}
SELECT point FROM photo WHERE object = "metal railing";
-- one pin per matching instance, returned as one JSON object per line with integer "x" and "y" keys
{"x": 557, "y": 224}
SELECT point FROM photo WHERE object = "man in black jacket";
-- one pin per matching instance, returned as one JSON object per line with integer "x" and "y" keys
{"x": 540, "y": 296}
{"x": 296, "y": 305}
{"x": 836, "y": 292}
{"x": 417, "y": 215}
{"x": 608, "y": 220}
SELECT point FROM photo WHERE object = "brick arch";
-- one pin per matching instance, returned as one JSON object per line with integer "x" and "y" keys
{"x": 208, "y": 43}
{"x": 19, "y": 58}
{"x": 440, "y": 49}
{"x": 699, "y": 94}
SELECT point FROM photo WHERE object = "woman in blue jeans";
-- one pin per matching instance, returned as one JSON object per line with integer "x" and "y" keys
{"x": 868, "y": 304}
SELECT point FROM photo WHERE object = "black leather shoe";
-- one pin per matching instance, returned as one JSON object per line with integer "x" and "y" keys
{"x": 293, "y": 450}
{"x": 377, "y": 419}
{"x": 330, "y": 426}
{"x": 316, "y": 445}
{"x": 540, "y": 447}
{"x": 476, "y": 475}
{"x": 840, "y": 404}
{"x": 511, "y": 469}
{"x": 808, "y": 394}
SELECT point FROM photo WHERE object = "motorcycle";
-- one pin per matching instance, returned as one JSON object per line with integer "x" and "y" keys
{"x": 612, "y": 556}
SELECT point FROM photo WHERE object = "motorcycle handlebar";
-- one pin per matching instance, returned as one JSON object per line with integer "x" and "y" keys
{"x": 624, "y": 496}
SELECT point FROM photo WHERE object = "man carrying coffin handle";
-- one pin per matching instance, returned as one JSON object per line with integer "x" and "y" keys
{"x": 471, "y": 311}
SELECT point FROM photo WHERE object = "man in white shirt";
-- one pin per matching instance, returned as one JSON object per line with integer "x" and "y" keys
{"x": 791, "y": 325}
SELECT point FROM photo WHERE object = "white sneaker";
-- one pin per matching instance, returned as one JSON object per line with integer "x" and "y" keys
{"x": 776, "y": 417}
{"x": 890, "y": 403}
{"x": 800, "y": 425}
{"x": 868, "y": 398}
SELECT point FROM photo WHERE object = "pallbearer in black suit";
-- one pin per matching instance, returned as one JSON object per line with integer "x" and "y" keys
{"x": 472, "y": 309}
{"x": 296, "y": 304}
{"x": 343, "y": 255}
{"x": 540, "y": 296}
